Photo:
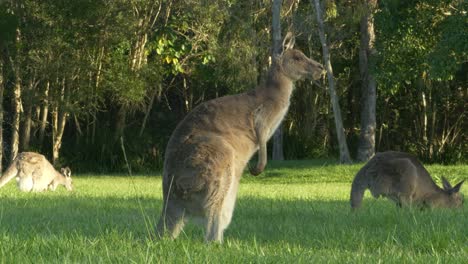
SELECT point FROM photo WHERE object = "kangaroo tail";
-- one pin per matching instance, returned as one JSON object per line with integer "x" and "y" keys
{"x": 359, "y": 186}
{"x": 9, "y": 174}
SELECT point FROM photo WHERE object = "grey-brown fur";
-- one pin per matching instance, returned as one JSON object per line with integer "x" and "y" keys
{"x": 34, "y": 172}
{"x": 209, "y": 149}
{"x": 402, "y": 178}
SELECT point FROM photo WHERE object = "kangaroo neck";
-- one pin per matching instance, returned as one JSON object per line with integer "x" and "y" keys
{"x": 59, "y": 177}
{"x": 278, "y": 87}
{"x": 436, "y": 196}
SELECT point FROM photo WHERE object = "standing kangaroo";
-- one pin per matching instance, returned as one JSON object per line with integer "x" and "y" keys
{"x": 210, "y": 147}
{"x": 402, "y": 178}
{"x": 34, "y": 173}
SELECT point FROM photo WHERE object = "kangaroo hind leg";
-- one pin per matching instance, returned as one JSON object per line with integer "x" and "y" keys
{"x": 220, "y": 212}
{"x": 405, "y": 187}
{"x": 214, "y": 230}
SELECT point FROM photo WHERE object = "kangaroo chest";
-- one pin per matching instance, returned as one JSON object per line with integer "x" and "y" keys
{"x": 276, "y": 119}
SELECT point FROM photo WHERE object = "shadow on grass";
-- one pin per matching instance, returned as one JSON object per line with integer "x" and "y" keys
{"x": 331, "y": 224}
{"x": 304, "y": 171}
{"x": 300, "y": 164}
{"x": 314, "y": 223}
{"x": 91, "y": 217}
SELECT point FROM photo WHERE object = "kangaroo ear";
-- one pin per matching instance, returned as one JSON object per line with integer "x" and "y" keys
{"x": 457, "y": 187}
{"x": 288, "y": 42}
{"x": 447, "y": 186}
{"x": 66, "y": 171}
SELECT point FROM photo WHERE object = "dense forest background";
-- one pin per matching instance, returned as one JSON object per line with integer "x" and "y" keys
{"x": 79, "y": 78}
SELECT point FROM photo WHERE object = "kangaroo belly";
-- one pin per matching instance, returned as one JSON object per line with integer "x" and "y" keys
{"x": 25, "y": 184}
{"x": 40, "y": 186}
{"x": 276, "y": 121}
{"x": 382, "y": 185}
{"x": 230, "y": 198}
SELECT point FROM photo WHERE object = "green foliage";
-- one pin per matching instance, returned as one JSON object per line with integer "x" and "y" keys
{"x": 194, "y": 51}
{"x": 331, "y": 10}
{"x": 451, "y": 50}
{"x": 125, "y": 86}
{"x": 429, "y": 37}
{"x": 171, "y": 54}
{"x": 8, "y": 23}
{"x": 422, "y": 48}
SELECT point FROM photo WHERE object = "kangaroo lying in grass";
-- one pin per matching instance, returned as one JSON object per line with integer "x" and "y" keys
{"x": 34, "y": 173}
{"x": 402, "y": 178}
{"x": 209, "y": 149}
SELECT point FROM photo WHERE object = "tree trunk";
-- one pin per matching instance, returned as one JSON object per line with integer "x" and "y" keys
{"x": 16, "y": 115}
{"x": 344, "y": 152}
{"x": 147, "y": 12}
{"x": 27, "y": 120}
{"x": 120, "y": 121}
{"x": 2, "y": 87}
{"x": 188, "y": 96}
{"x": 366, "y": 147}
{"x": 26, "y": 129}
{"x": 59, "y": 118}
{"x": 148, "y": 15}
{"x": 156, "y": 93}
{"x": 16, "y": 100}
{"x": 93, "y": 129}
{"x": 432, "y": 141}
{"x": 138, "y": 58}
{"x": 96, "y": 87}
{"x": 277, "y": 153}
{"x": 44, "y": 114}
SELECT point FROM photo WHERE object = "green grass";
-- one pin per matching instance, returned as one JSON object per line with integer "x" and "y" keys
{"x": 296, "y": 212}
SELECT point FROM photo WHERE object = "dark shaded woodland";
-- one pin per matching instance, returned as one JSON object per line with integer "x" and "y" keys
{"x": 79, "y": 78}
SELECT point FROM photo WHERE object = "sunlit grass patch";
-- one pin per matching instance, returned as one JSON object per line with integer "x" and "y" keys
{"x": 295, "y": 212}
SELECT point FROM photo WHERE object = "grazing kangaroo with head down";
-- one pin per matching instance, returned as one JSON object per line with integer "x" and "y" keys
{"x": 34, "y": 173}
{"x": 210, "y": 147}
{"x": 402, "y": 178}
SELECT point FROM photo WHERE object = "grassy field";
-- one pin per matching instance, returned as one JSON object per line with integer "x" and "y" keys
{"x": 296, "y": 212}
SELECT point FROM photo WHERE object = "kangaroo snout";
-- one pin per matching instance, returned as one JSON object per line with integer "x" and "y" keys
{"x": 316, "y": 69}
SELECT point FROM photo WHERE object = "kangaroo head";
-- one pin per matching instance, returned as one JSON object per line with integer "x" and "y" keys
{"x": 68, "y": 180}
{"x": 455, "y": 198}
{"x": 295, "y": 64}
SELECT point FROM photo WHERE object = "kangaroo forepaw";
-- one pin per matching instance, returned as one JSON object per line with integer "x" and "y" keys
{"x": 255, "y": 170}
